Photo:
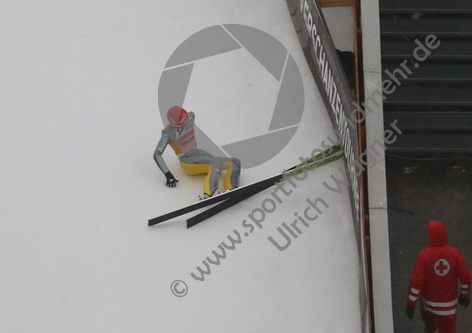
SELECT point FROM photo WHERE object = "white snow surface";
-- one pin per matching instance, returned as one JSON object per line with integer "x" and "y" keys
{"x": 80, "y": 122}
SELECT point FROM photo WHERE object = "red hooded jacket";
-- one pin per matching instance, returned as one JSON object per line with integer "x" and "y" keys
{"x": 435, "y": 275}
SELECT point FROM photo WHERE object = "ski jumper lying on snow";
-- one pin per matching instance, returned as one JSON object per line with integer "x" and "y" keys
{"x": 180, "y": 135}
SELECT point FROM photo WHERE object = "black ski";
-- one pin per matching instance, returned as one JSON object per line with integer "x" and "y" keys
{"x": 237, "y": 199}
{"x": 212, "y": 200}
{"x": 329, "y": 155}
{"x": 230, "y": 202}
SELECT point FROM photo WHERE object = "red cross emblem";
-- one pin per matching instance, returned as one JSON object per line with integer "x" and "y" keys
{"x": 441, "y": 267}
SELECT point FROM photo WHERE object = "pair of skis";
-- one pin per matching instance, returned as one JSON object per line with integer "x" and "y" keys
{"x": 231, "y": 198}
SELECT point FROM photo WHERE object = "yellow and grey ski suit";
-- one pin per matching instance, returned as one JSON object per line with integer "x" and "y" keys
{"x": 195, "y": 161}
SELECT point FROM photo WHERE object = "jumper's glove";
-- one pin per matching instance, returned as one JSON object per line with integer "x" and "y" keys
{"x": 410, "y": 312}
{"x": 464, "y": 302}
{"x": 171, "y": 181}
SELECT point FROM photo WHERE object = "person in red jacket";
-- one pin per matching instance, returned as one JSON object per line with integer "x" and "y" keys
{"x": 435, "y": 282}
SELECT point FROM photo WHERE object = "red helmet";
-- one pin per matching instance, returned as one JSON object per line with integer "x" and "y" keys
{"x": 177, "y": 115}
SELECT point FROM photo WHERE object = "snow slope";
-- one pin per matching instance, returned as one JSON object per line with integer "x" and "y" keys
{"x": 78, "y": 102}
